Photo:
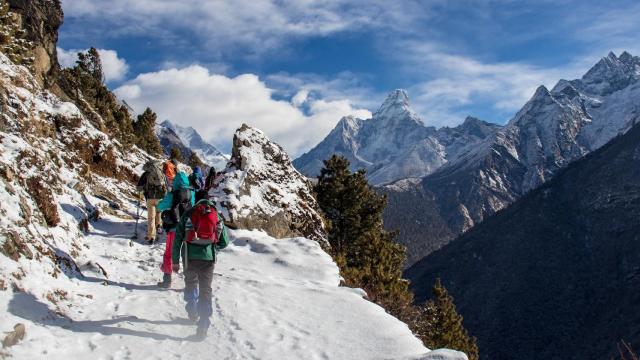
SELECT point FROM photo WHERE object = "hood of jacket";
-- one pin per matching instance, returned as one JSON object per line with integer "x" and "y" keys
{"x": 197, "y": 171}
{"x": 180, "y": 181}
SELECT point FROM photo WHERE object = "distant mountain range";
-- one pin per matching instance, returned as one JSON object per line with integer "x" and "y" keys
{"x": 557, "y": 274}
{"x": 189, "y": 141}
{"x": 394, "y": 144}
{"x": 442, "y": 182}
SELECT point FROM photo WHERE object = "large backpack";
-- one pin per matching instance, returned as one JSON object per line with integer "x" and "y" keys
{"x": 181, "y": 203}
{"x": 155, "y": 186}
{"x": 203, "y": 226}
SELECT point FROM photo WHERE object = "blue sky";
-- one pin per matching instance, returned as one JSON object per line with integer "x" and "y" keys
{"x": 294, "y": 69}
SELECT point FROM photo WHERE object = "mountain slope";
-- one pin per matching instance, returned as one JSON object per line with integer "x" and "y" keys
{"x": 553, "y": 129}
{"x": 556, "y": 274}
{"x": 208, "y": 153}
{"x": 395, "y": 144}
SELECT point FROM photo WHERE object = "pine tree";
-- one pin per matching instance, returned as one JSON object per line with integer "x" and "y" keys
{"x": 366, "y": 253}
{"x": 440, "y": 326}
{"x": 195, "y": 161}
{"x": 176, "y": 154}
{"x": 144, "y": 130}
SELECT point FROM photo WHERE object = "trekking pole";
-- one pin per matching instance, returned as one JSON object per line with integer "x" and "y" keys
{"x": 135, "y": 232}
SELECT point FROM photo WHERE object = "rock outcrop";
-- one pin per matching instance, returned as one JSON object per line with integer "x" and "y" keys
{"x": 41, "y": 20}
{"x": 260, "y": 189}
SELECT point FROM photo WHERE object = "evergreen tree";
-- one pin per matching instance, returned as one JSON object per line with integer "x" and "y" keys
{"x": 366, "y": 254}
{"x": 195, "y": 161}
{"x": 84, "y": 83}
{"x": 440, "y": 326}
{"x": 369, "y": 258}
{"x": 176, "y": 154}
{"x": 144, "y": 130}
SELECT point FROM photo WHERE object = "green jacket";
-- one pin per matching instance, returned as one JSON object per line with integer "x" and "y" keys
{"x": 197, "y": 252}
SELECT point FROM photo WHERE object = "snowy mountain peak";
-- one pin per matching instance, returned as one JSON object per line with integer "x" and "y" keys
{"x": 396, "y": 106}
{"x": 611, "y": 74}
{"x": 192, "y": 139}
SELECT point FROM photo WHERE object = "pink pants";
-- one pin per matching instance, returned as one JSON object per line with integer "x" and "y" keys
{"x": 166, "y": 260}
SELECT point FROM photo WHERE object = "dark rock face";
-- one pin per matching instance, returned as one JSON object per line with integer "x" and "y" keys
{"x": 556, "y": 274}
{"x": 41, "y": 19}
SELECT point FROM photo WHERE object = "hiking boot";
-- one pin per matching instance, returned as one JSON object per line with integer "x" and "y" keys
{"x": 150, "y": 241}
{"x": 166, "y": 281}
{"x": 193, "y": 317}
{"x": 200, "y": 335}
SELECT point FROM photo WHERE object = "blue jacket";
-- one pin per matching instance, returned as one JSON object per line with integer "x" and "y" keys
{"x": 179, "y": 182}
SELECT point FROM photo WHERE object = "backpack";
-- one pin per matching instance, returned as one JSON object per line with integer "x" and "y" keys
{"x": 181, "y": 203}
{"x": 196, "y": 182}
{"x": 203, "y": 226}
{"x": 156, "y": 186}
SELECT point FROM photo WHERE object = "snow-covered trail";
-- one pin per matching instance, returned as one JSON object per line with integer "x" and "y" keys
{"x": 273, "y": 299}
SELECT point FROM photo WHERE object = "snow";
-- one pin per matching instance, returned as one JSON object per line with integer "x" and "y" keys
{"x": 273, "y": 299}
{"x": 94, "y": 295}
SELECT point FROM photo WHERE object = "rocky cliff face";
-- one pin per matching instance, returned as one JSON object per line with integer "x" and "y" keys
{"x": 57, "y": 174}
{"x": 41, "y": 20}
{"x": 395, "y": 144}
{"x": 261, "y": 190}
{"x": 553, "y": 275}
{"x": 553, "y": 129}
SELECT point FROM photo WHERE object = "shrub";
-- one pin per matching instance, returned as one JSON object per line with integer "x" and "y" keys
{"x": 43, "y": 197}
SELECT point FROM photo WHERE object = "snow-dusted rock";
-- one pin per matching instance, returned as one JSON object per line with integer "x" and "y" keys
{"x": 260, "y": 189}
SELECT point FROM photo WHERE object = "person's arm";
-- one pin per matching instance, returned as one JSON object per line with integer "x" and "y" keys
{"x": 142, "y": 181}
{"x": 223, "y": 236}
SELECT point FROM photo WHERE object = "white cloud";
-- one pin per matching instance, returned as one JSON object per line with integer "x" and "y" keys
{"x": 114, "y": 67}
{"x": 256, "y": 26}
{"x": 216, "y": 105}
{"x": 454, "y": 81}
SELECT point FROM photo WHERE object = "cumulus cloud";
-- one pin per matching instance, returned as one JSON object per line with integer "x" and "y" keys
{"x": 114, "y": 67}
{"x": 216, "y": 105}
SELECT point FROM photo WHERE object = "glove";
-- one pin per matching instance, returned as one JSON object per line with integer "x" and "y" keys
{"x": 175, "y": 267}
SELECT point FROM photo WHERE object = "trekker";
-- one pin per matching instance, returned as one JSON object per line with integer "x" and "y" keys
{"x": 153, "y": 186}
{"x": 173, "y": 206}
{"x": 170, "y": 168}
{"x": 197, "y": 183}
{"x": 211, "y": 179}
{"x": 200, "y": 234}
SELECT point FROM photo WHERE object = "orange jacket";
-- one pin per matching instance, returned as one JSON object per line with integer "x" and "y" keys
{"x": 169, "y": 170}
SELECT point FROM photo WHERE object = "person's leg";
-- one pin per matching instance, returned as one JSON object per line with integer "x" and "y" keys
{"x": 205, "y": 306}
{"x": 151, "y": 219}
{"x": 191, "y": 292}
{"x": 166, "y": 260}
{"x": 158, "y": 218}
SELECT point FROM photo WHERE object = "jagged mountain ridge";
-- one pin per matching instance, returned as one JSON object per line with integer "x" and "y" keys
{"x": 395, "y": 144}
{"x": 553, "y": 129}
{"x": 554, "y": 274}
{"x": 192, "y": 140}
